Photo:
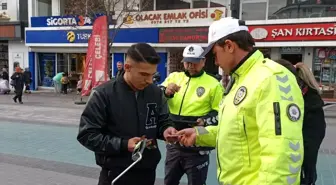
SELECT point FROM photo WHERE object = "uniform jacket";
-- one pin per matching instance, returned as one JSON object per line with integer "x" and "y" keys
{"x": 114, "y": 114}
{"x": 198, "y": 97}
{"x": 259, "y": 135}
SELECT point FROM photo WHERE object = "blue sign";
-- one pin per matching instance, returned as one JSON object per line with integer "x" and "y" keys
{"x": 129, "y": 35}
{"x": 58, "y": 21}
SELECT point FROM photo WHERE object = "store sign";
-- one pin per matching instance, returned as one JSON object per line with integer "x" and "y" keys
{"x": 185, "y": 17}
{"x": 58, "y": 21}
{"x": 291, "y": 50}
{"x": 183, "y": 35}
{"x": 293, "y": 32}
{"x": 134, "y": 35}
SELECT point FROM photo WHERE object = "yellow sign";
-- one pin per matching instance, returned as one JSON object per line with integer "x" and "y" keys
{"x": 71, "y": 36}
{"x": 190, "y": 17}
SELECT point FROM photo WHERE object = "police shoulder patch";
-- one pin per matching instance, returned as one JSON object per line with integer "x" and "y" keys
{"x": 293, "y": 112}
{"x": 240, "y": 95}
{"x": 200, "y": 91}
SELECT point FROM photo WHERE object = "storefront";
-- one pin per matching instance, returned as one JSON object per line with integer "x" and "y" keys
{"x": 301, "y": 41}
{"x": 61, "y": 46}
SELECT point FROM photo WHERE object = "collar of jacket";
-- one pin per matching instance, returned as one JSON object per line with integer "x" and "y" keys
{"x": 247, "y": 62}
{"x": 195, "y": 75}
{"x": 121, "y": 79}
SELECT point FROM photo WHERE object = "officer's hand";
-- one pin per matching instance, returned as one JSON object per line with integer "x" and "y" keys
{"x": 187, "y": 137}
{"x": 172, "y": 89}
{"x": 170, "y": 135}
{"x": 132, "y": 143}
{"x": 200, "y": 122}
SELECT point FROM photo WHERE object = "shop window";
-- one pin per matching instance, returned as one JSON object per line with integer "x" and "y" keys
{"x": 77, "y": 63}
{"x": 324, "y": 66}
{"x": 62, "y": 62}
{"x": 46, "y": 69}
{"x": 175, "y": 60}
{"x": 173, "y": 4}
{"x": 3, "y": 56}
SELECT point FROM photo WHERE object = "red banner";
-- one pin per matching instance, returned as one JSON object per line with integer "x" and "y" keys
{"x": 96, "y": 68}
{"x": 293, "y": 32}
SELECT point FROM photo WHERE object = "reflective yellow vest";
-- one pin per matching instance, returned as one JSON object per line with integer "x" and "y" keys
{"x": 259, "y": 134}
{"x": 197, "y": 95}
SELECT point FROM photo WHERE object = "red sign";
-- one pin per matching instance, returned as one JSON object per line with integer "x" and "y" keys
{"x": 7, "y": 31}
{"x": 96, "y": 69}
{"x": 293, "y": 32}
{"x": 184, "y": 35}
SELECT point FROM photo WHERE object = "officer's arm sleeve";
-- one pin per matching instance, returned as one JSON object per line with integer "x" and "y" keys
{"x": 164, "y": 85}
{"x": 279, "y": 116}
{"x": 92, "y": 124}
{"x": 206, "y": 136}
{"x": 216, "y": 96}
{"x": 164, "y": 119}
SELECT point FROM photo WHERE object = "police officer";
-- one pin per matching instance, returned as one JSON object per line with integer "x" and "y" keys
{"x": 259, "y": 135}
{"x": 194, "y": 98}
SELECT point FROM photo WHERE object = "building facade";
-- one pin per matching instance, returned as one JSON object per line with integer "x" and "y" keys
{"x": 296, "y": 30}
{"x": 58, "y": 42}
{"x": 13, "y": 20}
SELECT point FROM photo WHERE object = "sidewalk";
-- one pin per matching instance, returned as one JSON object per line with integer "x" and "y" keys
{"x": 46, "y": 99}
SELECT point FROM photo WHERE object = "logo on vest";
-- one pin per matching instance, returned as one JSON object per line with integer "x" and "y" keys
{"x": 293, "y": 112}
{"x": 240, "y": 95}
{"x": 151, "y": 119}
{"x": 200, "y": 91}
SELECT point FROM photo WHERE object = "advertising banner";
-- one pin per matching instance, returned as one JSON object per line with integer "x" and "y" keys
{"x": 294, "y": 32}
{"x": 96, "y": 69}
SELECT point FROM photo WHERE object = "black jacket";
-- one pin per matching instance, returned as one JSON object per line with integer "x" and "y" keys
{"x": 114, "y": 114}
{"x": 18, "y": 79}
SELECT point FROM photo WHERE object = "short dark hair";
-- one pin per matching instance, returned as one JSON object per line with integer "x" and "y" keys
{"x": 287, "y": 65}
{"x": 143, "y": 52}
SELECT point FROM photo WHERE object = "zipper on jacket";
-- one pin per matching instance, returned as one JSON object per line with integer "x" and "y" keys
{"x": 136, "y": 96}
{"x": 184, "y": 96}
{"x": 277, "y": 118}
{"x": 247, "y": 142}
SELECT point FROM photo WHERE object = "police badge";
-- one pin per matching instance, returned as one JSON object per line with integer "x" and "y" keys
{"x": 293, "y": 112}
{"x": 200, "y": 91}
{"x": 240, "y": 95}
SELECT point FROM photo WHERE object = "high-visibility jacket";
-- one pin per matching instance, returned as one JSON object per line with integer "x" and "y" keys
{"x": 259, "y": 134}
{"x": 198, "y": 97}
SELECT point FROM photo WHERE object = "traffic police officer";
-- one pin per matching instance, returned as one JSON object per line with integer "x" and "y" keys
{"x": 259, "y": 135}
{"x": 193, "y": 99}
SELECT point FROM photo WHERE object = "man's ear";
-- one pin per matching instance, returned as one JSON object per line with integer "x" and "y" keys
{"x": 127, "y": 67}
{"x": 230, "y": 45}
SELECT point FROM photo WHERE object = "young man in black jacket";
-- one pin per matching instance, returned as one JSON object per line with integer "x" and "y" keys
{"x": 122, "y": 111}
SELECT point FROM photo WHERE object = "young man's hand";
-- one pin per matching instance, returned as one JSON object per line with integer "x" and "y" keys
{"x": 170, "y": 135}
{"x": 187, "y": 137}
{"x": 132, "y": 143}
